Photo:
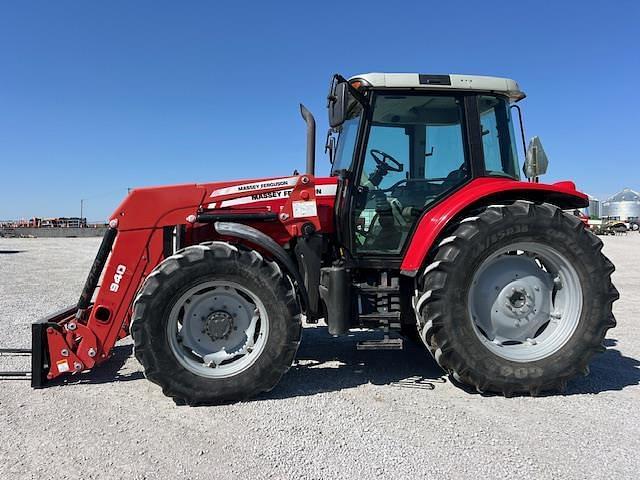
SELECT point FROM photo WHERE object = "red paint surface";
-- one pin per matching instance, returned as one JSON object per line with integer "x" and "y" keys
{"x": 435, "y": 220}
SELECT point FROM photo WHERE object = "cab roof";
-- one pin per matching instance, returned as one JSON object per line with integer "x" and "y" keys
{"x": 504, "y": 86}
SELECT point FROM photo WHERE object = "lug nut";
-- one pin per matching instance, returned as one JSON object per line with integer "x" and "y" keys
{"x": 284, "y": 216}
{"x": 77, "y": 366}
{"x": 91, "y": 352}
{"x": 64, "y": 352}
{"x": 71, "y": 326}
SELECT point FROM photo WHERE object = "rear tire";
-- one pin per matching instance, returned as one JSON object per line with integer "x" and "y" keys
{"x": 190, "y": 355}
{"x": 480, "y": 351}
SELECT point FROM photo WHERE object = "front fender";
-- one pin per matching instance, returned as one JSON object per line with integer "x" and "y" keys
{"x": 482, "y": 191}
{"x": 256, "y": 237}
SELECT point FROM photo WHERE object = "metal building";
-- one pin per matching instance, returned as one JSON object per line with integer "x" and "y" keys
{"x": 593, "y": 210}
{"x": 624, "y": 206}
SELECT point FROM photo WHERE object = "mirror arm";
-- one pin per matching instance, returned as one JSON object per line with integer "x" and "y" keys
{"x": 329, "y": 146}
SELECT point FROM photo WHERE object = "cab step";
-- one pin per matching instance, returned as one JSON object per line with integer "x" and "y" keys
{"x": 375, "y": 289}
{"x": 385, "y": 344}
{"x": 380, "y": 316}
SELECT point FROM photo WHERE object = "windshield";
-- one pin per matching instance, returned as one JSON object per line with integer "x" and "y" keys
{"x": 498, "y": 138}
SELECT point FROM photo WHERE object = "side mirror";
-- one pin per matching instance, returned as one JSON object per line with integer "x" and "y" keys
{"x": 338, "y": 98}
{"x": 536, "y": 161}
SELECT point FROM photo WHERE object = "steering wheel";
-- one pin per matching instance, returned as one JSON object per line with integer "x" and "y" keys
{"x": 386, "y": 161}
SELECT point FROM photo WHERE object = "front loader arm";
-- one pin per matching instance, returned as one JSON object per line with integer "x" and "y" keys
{"x": 79, "y": 338}
{"x": 131, "y": 248}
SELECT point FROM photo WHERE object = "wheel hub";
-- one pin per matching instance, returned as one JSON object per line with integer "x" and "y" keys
{"x": 517, "y": 302}
{"x": 219, "y": 325}
{"x": 518, "y": 298}
{"x": 524, "y": 301}
{"x": 218, "y": 328}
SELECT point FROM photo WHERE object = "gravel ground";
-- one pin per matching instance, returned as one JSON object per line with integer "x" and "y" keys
{"x": 338, "y": 413}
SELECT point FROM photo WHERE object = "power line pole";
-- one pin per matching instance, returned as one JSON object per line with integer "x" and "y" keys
{"x": 81, "y": 209}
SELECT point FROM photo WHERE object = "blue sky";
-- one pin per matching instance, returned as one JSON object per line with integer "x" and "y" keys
{"x": 96, "y": 97}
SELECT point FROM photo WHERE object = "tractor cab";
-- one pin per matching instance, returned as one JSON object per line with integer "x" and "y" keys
{"x": 401, "y": 143}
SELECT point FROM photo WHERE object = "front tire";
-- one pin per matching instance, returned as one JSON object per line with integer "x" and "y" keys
{"x": 216, "y": 323}
{"x": 517, "y": 299}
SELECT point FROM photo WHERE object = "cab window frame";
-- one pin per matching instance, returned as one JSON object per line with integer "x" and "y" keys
{"x": 473, "y": 160}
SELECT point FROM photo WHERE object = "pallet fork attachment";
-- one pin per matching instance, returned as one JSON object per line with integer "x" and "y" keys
{"x": 53, "y": 325}
{"x": 39, "y": 350}
{"x": 17, "y": 374}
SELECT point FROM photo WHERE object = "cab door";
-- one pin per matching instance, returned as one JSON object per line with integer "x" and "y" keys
{"x": 415, "y": 153}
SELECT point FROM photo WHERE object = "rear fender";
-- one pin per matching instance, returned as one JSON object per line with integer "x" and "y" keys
{"x": 479, "y": 192}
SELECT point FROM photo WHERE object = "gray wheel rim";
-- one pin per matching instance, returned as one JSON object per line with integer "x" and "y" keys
{"x": 218, "y": 329}
{"x": 525, "y": 301}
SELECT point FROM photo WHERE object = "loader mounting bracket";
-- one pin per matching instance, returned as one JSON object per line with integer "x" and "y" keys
{"x": 40, "y": 361}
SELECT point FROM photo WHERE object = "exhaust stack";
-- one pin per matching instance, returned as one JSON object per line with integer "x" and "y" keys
{"x": 311, "y": 139}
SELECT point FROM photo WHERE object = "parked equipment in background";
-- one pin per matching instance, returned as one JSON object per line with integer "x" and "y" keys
{"x": 611, "y": 227}
{"x": 423, "y": 228}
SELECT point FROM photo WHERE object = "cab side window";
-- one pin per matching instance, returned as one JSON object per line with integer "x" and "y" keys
{"x": 498, "y": 138}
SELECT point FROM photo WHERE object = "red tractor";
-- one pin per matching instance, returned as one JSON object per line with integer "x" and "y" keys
{"x": 424, "y": 227}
